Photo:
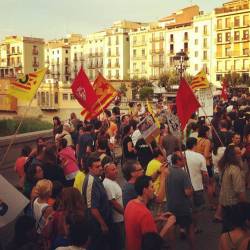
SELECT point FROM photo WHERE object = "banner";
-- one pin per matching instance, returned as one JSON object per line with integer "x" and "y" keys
{"x": 148, "y": 129}
{"x": 13, "y": 202}
{"x": 174, "y": 124}
{"x": 205, "y": 98}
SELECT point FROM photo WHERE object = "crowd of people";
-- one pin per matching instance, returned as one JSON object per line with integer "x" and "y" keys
{"x": 79, "y": 199}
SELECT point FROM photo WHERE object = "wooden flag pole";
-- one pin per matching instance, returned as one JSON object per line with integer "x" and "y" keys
{"x": 16, "y": 132}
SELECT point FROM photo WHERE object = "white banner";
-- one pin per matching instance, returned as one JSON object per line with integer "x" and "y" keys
{"x": 174, "y": 124}
{"x": 205, "y": 98}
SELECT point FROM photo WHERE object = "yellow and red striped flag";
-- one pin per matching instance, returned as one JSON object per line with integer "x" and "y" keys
{"x": 200, "y": 81}
{"x": 105, "y": 92}
{"x": 25, "y": 86}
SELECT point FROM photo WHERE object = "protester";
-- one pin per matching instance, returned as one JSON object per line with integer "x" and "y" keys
{"x": 57, "y": 126}
{"x": 128, "y": 149}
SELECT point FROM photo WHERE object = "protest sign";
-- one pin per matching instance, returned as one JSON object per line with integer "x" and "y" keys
{"x": 205, "y": 98}
{"x": 148, "y": 128}
{"x": 13, "y": 202}
{"x": 173, "y": 124}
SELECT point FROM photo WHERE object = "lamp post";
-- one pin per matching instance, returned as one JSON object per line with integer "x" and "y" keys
{"x": 181, "y": 62}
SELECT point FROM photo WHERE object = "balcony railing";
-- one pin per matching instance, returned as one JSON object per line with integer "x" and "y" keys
{"x": 157, "y": 51}
{"x": 157, "y": 64}
{"x": 139, "y": 43}
{"x": 34, "y": 52}
{"x": 35, "y": 64}
{"x": 157, "y": 39}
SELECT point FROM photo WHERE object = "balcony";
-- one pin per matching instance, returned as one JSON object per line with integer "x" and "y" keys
{"x": 75, "y": 59}
{"x": 109, "y": 65}
{"x": 67, "y": 72}
{"x": 66, "y": 63}
{"x": 157, "y": 51}
{"x": 157, "y": 64}
{"x": 157, "y": 39}
{"x": 35, "y": 52}
{"x": 185, "y": 39}
{"x": 81, "y": 59}
{"x": 139, "y": 57}
{"x": 35, "y": 64}
{"x": 171, "y": 53}
{"x": 117, "y": 65}
{"x": 139, "y": 43}
{"x": 171, "y": 40}
{"x": 153, "y": 77}
{"x": 117, "y": 76}
{"x": 91, "y": 66}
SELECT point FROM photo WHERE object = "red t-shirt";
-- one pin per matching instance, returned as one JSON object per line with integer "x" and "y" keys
{"x": 19, "y": 165}
{"x": 138, "y": 221}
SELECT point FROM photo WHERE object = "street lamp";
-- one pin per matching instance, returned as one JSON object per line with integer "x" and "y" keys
{"x": 181, "y": 62}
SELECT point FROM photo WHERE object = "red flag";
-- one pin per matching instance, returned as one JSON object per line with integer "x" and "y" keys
{"x": 105, "y": 93}
{"x": 224, "y": 93}
{"x": 186, "y": 103}
{"x": 83, "y": 90}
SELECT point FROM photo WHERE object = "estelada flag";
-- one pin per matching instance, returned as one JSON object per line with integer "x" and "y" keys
{"x": 83, "y": 90}
{"x": 224, "y": 92}
{"x": 186, "y": 103}
{"x": 105, "y": 92}
{"x": 25, "y": 86}
{"x": 200, "y": 81}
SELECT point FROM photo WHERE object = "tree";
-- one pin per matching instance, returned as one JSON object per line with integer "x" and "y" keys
{"x": 123, "y": 89}
{"x": 232, "y": 78}
{"x": 146, "y": 92}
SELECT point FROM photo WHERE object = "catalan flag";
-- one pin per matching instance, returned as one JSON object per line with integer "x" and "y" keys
{"x": 105, "y": 93}
{"x": 25, "y": 86}
{"x": 200, "y": 81}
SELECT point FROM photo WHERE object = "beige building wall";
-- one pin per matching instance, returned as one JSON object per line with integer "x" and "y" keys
{"x": 232, "y": 39}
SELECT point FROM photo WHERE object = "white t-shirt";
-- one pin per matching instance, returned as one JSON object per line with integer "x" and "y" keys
{"x": 114, "y": 192}
{"x": 136, "y": 136}
{"x": 196, "y": 163}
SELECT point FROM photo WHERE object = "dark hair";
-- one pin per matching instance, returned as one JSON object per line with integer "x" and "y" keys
{"x": 50, "y": 154}
{"x": 191, "y": 142}
{"x": 57, "y": 119}
{"x": 202, "y": 131}
{"x": 107, "y": 112}
{"x": 194, "y": 126}
{"x": 229, "y": 158}
{"x": 63, "y": 143}
{"x": 31, "y": 172}
{"x": 128, "y": 168}
{"x": 24, "y": 224}
{"x": 126, "y": 130}
{"x": 56, "y": 189}
{"x": 141, "y": 183}
{"x": 26, "y": 151}
{"x": 151, "y": 241}
{"x": 102, "y": 143}
{"x": 223, "y": 124}
{"x": 133, "y": 123}
{"x": 93, "y": 157}
{"x": 123, "y": 117}
{"x": 175, "y": 157}
{"x": 78, "y": 229}
{"x": 157, "y": 152}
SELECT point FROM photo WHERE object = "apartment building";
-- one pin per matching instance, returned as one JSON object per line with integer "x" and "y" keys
{"x": 140, "y": 48}
{"x": 19, "y": 54}
{"x": 202, "y": 47}
{"x": 232, "y": 38}
{"x": 117, "y": 50}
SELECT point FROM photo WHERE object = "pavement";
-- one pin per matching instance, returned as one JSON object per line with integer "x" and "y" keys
{"x": 207, "y": 240}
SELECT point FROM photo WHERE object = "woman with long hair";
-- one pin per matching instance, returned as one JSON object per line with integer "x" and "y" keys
{"x": 129, "y": 152}
{"x": 57, "y": 126}
{"x": 70, "y": 202}
{"x": 232, "y": 184}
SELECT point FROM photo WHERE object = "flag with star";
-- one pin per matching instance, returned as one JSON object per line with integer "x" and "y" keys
{"x": 200, "y": 81}
{"x": 105, "y": 93}
{"x": 25, "y": 86}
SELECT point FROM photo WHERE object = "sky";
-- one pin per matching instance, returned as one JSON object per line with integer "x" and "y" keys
{"x": 51, "y": 19}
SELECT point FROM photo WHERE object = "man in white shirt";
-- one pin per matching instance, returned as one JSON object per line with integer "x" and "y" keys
{"x": 197, "y": 170}
{"x": 114, "y": 193}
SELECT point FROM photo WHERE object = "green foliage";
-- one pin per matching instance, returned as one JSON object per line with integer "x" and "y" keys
{"x": 123, "y": 89}
{"x": 30, "y": 124}
{"x": 146, "y": 92}
{"x": 234, "y": 79}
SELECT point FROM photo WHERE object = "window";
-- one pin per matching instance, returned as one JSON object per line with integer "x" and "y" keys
{"x": 196, "y": 29}
{"x": 236, "y": 21}
{"x": 196, "y": 53}
{"x": 117, "y": 51}
{"x": 205, "y": 43}
{"x": 65, "y": 97}
{"x": 134, "y": 52}
{"x": 228, "y": 36}
{"x": 109, "y": 74}
{"x": 185, "y": 47}
{"x": 204, "y": 55}
{"x": 246, "y": 51}
{"x": 134, "y": 40}
{"x": 196, "y": 66}
{"x": 72, "y": 97}
{"x": 56, "y": 98}
{"x": 57, "y": 51}
{"x": 171, "y": 48}
{"x": 245, "y": 34}
{"x": 218, "y": 77}
{"x": 219, "y": 37}
{"x": 117, "y": 74}
{"x": 228, "y": 22}
{"x": 143, "y": 67}
{"x": 171, "y": 38}
{"x": 143, "y": 39}
{"x": 205, "y": 30}
{"x": 219, "y": 24}
{"x": 109, "y": 52}
{"x": 66, "y": 51}
{"x": 236, "y": 35}
{"x": 117, "y": 40}
{"x": 228, "y": 51}
{"x": 196, "y": 41}
{"x": 109, "y": 41}
{"x": 134, "y": 67}
{"x": 143, "y": 52}
{"x": 185, "y": 36}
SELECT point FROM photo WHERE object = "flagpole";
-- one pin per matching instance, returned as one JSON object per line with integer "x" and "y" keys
{"x": 16, "y": 132}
